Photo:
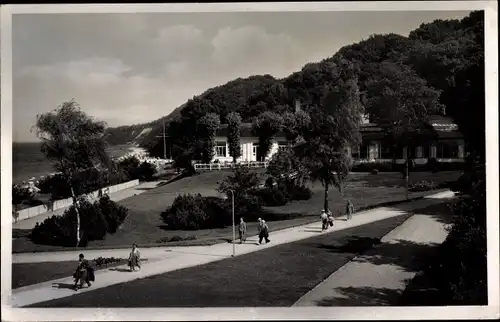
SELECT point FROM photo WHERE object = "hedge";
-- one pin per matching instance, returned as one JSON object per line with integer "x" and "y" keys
{"x": 194, "y": 212}
{"x": 96, "y": 220}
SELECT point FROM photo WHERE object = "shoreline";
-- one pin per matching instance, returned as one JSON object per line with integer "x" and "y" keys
{"x": 27, "y": 170}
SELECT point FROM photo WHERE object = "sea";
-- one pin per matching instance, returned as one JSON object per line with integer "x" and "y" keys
{"x": 28, "y": 161}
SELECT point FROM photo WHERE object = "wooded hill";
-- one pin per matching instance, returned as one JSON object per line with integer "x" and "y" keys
{"x": 445, "y": 57}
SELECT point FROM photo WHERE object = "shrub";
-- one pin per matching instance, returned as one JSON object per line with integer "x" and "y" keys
{"x": 460, "y": 273}
{"x": 114, "y": 213}
{"x": 186, "y": 213}
{"x": 269, "y": 182}
{"x": 433, "y": 165}
{"x": 300, "y": 193}
{"x": 100, "y": 261}
{"x": 96, "y": 220}
{"x": 370, "y": 166}
{"x": 422, "y": 186}
{"x": 175, "y": 238}
{"x": 272, "y": 196}
{"x": 21, "y": 194}
{"x": 147, "y": 171}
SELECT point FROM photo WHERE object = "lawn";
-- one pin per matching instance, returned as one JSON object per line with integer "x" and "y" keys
{"x": 277, "y": 276}
{"x": 144, "y": 226}
{"x": 24, "y": 274}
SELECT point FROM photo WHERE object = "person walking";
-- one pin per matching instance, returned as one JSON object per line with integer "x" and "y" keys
{"x": 331, "y": 220}
{"x": 265, "y": 232}
{"x": 81, "y": 274}
{"x": 134, "y": 258}
{"x": 324, "y": 220}
{"x": 242, "y": 229}
{"x": 349, "y": 209}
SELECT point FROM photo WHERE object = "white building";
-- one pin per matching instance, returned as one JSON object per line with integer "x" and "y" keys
{"x": 248, "y": 144}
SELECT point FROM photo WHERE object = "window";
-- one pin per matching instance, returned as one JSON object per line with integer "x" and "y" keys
{"x": 355, "y": 153}
{"x": 254, "y": 150}
{"x": 446, "y": 150}
{"x": 386, "y": 151}
{"x": 426, "y": 153}
{"x": 282, "y": 145}
{"x": 220, "y": 149}
{"x": 363, "y": 151}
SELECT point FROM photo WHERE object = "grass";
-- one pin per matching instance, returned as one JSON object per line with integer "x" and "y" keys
{"x": 144, "y": 226}
{"x": 276, "y": 276}
{"x": 24, "y": 274}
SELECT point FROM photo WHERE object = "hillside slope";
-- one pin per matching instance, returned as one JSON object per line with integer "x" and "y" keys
{"x": 445, "y": 54}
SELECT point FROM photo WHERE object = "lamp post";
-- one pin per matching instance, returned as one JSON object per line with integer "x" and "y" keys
{"x": 234, "y": 226}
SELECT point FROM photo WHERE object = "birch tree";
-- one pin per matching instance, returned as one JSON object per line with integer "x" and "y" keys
{"x": 74, "y": 142}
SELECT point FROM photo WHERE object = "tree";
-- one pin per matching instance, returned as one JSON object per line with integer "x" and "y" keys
{"x": 449, "y": 55}
{"x": 265, "y": 127}
{"x": 233, "y": 134}
{"x": 19, "y": 194}
{"x": 287, "y": 169}
{"x": 208, "y": 126}
{"x": 333, "y": 129}
{"x": 74, "y": 142}
{"x": 398, "y": 98}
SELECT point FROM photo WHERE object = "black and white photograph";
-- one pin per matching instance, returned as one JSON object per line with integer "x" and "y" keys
{"x": 301, "y": 158}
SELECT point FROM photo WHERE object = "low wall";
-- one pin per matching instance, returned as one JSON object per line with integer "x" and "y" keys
{"x": 63, "y": 203}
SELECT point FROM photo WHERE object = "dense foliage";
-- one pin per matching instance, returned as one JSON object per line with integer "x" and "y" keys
{"x": 233, "y": 135}
{"x": 97, "y": 219}
{"x": 443, "y": 59}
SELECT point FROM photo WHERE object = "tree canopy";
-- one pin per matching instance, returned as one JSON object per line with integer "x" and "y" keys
{"x": 442, "y": 60}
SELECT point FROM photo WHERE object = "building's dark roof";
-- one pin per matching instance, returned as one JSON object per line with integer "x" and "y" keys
{"x": 245, "y": 131}
{"x": 443, "y": 127}
{"x": 449, "y": 135}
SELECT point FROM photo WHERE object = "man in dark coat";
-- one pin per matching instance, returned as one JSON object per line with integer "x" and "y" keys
{"x": 82, "y": 273}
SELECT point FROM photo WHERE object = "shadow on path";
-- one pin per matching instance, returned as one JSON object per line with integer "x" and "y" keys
{"x": 362, "y": 296}
{"x": 120, "y": 269}
{"x": 63, "y": 286}
{"x": 354, "y": 244}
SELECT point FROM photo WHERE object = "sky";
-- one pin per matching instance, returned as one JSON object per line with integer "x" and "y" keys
{"x": 132, "y": 68}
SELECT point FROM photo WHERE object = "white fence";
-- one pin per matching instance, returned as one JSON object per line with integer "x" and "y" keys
{"x": 222, "y": 166}
{"x": 63, "y": 203}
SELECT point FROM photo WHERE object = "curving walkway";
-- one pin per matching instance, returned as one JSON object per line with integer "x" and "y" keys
{"x": 163, "y": 259}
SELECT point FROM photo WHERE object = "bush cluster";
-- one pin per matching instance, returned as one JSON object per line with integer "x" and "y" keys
{"x": 280, "y": 194}
{"x": 193, "y": 212}
{"x": 100, "y": 261}
{"x": 460, "y": 272}
{"x": 175, "y": 238}
{"x": 432, "y": 165}
{"x": 96, "y": 220}
{"x": 423, "y": 185}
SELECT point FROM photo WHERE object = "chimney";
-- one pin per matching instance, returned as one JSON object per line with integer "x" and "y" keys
{"x": 297, "y": 106}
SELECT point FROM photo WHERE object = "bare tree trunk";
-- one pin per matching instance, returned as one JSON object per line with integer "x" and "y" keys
{"x": 75, "y": 204}
{"x": 325, "y": 204}
{"x": 407, "y": 164}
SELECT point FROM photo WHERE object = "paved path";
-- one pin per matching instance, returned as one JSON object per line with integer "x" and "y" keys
{"x": 162, "y": 260}
{"x": 379, "y": 276}
{"x": 29, "y": 223}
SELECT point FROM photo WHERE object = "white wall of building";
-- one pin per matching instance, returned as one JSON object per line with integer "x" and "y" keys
{"x": 248, "y": 149}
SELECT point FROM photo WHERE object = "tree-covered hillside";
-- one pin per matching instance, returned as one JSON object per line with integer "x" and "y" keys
{"x": 443, "y": 59}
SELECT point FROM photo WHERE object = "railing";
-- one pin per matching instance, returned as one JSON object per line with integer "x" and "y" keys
{"x": 223, "y": 166}
{"x": 63, "y": 203}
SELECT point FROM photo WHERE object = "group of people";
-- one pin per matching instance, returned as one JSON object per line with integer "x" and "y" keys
{"x": 84, "y": 273}
{"x": 262, "y": 229}
{"x": 327, "y": 219}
